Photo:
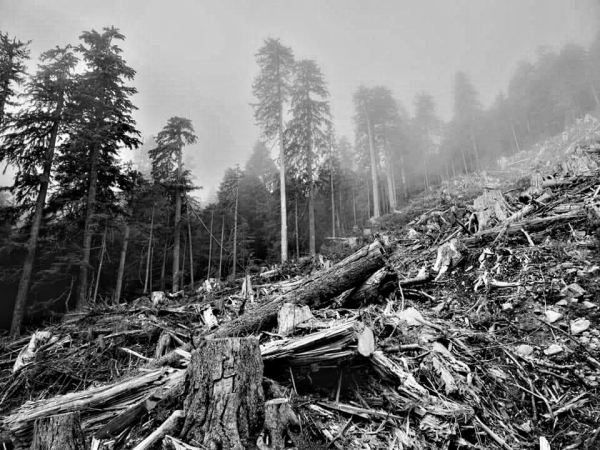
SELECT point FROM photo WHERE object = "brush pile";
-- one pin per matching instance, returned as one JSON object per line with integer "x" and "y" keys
{"x": 472, "y": 325}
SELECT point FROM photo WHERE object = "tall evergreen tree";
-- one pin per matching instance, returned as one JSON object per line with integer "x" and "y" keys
{"x": 13, "y": 54}
{"x": 104, "y": 123}
{"x": 363, "y": 121}
{"x": 307, "y": 134}
{"x": 167, "y": 168}
{"x": 30, "y": 146}
{"x": 272, "y": 89}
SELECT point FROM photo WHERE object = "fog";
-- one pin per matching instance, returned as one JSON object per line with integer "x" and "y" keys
{"x": 196, "y": 59}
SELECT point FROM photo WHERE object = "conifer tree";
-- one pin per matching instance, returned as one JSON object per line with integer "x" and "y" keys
{"x": 307, "y": 133}
{"x": 13, "y": 54}
{"x": 167, "y": 168}
{"x": 272, "y": 89}
{"x": 103, "y": 106}
{"x": 30, "y": 146}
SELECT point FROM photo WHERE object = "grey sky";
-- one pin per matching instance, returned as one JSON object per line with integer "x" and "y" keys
{"x": 196, "y": 58}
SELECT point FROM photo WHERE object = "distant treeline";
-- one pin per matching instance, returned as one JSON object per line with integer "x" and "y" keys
{"x": 78, "y": 226}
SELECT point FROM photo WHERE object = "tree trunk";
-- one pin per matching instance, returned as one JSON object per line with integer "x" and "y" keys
{"x": 475, "y": 150}
{"x": 221, "y": 252}
{"x": 595, "y": 94}
{"x": 390, "y": 181}
{"x": 354, "y": 206}
{"x": 316, "y": 290}
{"x": 284, "y": 243}
{"x": 163, "y": 270}
{"x": 332, "y": 204}
{"x": 224, "y": 404}
{"x": 19, "y": 311}
{"x": 149, "y": 257}
{"x": 122, "y": 265}
{"x": 374, "y": 177}
{"x": 210, "y": 239}
{"x": 191, "y": 247}
{"x": 177, "y": 233}
{"x": 61, "y": 432}
{"x": 87, "y": 229}
{"x": 403, "y": 176}
{"x": 462, "y": 152}
{"x": 185, "y": 246}
{"x": 102, "y": 251}
{"x": 235, "y": 223}
{"x": 279, "y": 418}
{"x": 296, "y": 218}
{"x": 515, "y": 136}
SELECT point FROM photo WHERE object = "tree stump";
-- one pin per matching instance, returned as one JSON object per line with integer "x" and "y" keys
{"x": 279, "y": 419}
{"x": 60, "y": 432}
{"x": 224, "y": 407}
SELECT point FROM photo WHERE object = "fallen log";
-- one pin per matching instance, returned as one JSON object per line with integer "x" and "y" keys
{"x": 97, "y": 404}
{"x": 315, "y": 291}
{"x": 171, "y": 425}
{"x": 61, "y": 432}
{"x": 531, "y": 224}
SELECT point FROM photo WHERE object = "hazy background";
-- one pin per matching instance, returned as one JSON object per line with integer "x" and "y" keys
{"x": 196, "y": 58}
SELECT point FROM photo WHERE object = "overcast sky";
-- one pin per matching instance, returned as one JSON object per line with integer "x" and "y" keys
{"x": 196, "y": 58}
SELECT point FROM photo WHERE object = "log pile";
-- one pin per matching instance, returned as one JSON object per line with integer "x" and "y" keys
{"x": 476, "y": 327}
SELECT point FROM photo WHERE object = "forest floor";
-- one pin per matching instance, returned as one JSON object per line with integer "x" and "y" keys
{"x": 481, "y": 331}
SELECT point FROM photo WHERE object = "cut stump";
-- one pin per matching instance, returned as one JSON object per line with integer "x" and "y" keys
{"x": 279, "y": 419}
{"x": 224, "y": 407}
{"x": 60, "y": 432}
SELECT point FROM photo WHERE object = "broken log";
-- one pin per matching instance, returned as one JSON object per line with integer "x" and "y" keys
{"x": 170, "y": 426}
{"x": 531, "y": 224}
{"x": 60, "y": 432}
{"x": 224, "y": 407}
{"x": 314, "y": 291}
{"x": 370, "y": 290}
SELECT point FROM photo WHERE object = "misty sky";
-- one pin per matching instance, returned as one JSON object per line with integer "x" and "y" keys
{"x": 196, "y": 58}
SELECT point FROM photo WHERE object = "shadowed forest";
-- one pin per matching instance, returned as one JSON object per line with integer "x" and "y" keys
{"x": 79, "y": 225}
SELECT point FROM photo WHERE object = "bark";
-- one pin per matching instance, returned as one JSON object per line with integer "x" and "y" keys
{"x": 170, "y": 426}
{"x": 354, "y": 206}
{"x": 61, "y": 432}
{"x": 403, "y": 176}
{"x": 122, "y": 264}
{"x": 370, "y": 290}
{"x": 235, "y": 223}
{"x": 390, "y": 181}
{"x": 224, "y": 404}
{"x": 296, "y": 219}
{"x": 87, "y": 229}
{"x": 475, "y": 150}
{"x": 149, "y": 257}
{"x": 102, "y": 251}
{"x": 531, "y": 224}
{"x": 191, "y": 247}
{"x": 314, "y": 291}
{"x": 515, "y": 137}
{"x": 279, "y": 418}
{"x": 332, "y": 204}
{"x": 284, "y": 243}
{"x": 212, "y": 217}
{"x": 595, "y": 94}
{"x": 177, "y": 233}
{"x": 19, "y": 311}
{"x": 374, "y": 179}
{"x": 221, "y": 253}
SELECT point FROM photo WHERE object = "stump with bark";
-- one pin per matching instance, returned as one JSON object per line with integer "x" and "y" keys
{"x": 60, "y": 432}
{"x": 279, "y": 419}
{"x": 224, "y": 407}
